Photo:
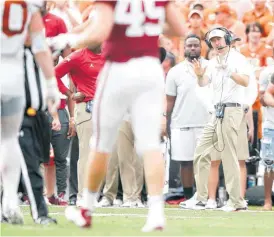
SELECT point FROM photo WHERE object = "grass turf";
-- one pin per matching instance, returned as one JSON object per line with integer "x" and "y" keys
{"x": 128, "y": 222}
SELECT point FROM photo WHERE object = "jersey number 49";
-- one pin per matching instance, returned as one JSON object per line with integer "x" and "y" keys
{"x": 134, "y": 14}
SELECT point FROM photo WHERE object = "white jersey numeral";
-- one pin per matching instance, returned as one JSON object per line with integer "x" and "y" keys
{"x": 14, "y": 17}
{"x": 134, "y": 13}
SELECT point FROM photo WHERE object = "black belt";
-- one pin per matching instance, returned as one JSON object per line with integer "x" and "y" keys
{"x": 229, "y": 105}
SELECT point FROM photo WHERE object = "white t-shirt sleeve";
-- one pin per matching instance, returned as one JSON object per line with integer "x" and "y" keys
{"x": 171, "y": 87}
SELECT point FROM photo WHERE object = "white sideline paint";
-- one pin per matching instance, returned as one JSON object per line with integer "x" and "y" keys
{"x": 167, "y": 209}
{"x": 140, "y": 215}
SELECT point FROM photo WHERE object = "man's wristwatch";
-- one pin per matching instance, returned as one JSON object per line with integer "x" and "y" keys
{"x": 164, "y": 114}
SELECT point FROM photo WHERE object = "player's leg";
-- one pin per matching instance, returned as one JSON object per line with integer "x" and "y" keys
{"x": 109, "y": 109}
{"x": 110, "y": 105}
{"x": 12, "y": 110}
{"x": 147, "y": 112}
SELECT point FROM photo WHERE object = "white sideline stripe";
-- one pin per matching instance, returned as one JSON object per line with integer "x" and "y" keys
{"x": 166, "y": 208}
{"x": 140, "y": 215}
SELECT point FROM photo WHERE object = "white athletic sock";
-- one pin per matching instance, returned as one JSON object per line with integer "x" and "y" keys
{"x": 89, "y": 199}
{"x": 156, "y": 204}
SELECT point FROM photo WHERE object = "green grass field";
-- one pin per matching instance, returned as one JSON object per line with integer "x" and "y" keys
{"x": 128, "y": 222}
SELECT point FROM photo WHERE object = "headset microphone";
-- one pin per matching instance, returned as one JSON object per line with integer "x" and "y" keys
{"x": 221, "y": 47}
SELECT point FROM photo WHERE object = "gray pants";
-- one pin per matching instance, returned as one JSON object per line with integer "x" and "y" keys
{"x": 73, "y": 176}
{"x": 60, "y": 144}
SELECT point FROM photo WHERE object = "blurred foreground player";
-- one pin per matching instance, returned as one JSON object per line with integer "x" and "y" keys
{"x": 132, "y": 79}
{"x": 35, "y": 130}
{"x": 19, "y": 18}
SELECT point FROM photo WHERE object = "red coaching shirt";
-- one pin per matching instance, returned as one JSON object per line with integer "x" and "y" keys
{"x": 137, "y": 26}
{"x": 83, "y": 67}
{"x": 54, "y": 25}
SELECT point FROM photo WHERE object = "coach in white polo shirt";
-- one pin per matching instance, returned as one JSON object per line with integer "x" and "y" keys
{"x": 188, "y": 109}
{"x": 229, "y": 74}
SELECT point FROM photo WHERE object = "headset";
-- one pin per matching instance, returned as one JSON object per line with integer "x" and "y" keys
{"x": 228, "y": 37}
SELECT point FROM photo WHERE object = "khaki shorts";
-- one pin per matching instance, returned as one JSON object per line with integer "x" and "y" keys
{"x": 243, "y": 151}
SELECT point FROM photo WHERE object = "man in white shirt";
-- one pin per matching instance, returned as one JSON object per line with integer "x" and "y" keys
{"x": 229, "y": 74}
{"x": 188, "y": 109}
{"x": 242, "y": 149}
{"x": 266, "y": 95}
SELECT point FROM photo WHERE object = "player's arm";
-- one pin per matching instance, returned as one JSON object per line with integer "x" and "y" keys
{"x": 43, "y": 57}
{"x": 63, "y": 30}
{"x": 93, "y": 34}
{"x": 80, "y": 28}
{"x": 40, "y": 48}
{"x": 96, "y": 32}
{"x": 175, "y": 24}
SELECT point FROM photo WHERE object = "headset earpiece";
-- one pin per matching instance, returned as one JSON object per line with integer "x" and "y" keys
{"x": 207, "y": 41}
{"x": 227, "y": 37}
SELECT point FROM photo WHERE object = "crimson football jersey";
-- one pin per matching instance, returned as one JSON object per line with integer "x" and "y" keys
{"x": 137, "y": 26}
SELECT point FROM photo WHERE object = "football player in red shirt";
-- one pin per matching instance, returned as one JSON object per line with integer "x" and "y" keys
{"x": 132, "y": 79}
{"x": 83, "y": 66}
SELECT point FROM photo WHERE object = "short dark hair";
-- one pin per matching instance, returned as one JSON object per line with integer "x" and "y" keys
{"x": 172, "y": 58}
{"x": 251, "y": 26}
{"x": 192, "y": 36}
{"x": 162, "y": 53}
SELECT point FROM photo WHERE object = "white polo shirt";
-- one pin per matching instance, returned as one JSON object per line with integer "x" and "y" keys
{"x": 192, "y": 101}
{"x": 225, "y": 90}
